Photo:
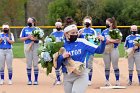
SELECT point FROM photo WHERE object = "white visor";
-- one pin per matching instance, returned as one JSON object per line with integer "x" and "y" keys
{"x": 70, "y": 27}
{"x": 5, "y": 26}
{"x": 87, "y": 20}
{"x": 58, "y": 24}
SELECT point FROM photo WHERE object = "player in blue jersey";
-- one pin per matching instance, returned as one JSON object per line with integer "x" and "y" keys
{"x": 76, "y": 48}
{"x": 85, "y": 32}
{"x": 135, "y": 56}
{"x": 31, "y": 55}
{"x": 113, "y": 55}
{"x": 6, "y": 53}
{"x": 59, "y": 35}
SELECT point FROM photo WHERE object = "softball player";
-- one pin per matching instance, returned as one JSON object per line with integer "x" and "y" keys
{"x": 77, "y": 49}
{"x": 113, "y": 56}
{"x": 136, "y": 56}
{"x": 88, "y": 31}
{"x": 6, "y": 53}
{"x": 31, "y": 55}
{"x": 59, "y": 35}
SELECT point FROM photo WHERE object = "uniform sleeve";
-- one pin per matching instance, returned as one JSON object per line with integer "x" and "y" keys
{"x": 126, "y": 43}
{"x": 92, "y": 48}
{"x": 81, "y": 36}
{"x": 22, "y": 34}
{"x": 60, "y": 60}
{"x": 103, "y": 34}
{"x": 12, "y": 37}
{"x": 95, "y": 33}
{"x": 101, "y": 47}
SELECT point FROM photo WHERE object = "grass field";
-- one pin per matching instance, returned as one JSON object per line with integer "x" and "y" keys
{"x": 121, "y": 51}
{"x": 19, "y": 53}
{"x": 18, "y": 50}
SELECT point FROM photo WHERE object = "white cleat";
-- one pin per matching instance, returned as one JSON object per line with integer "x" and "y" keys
{"x": 29, "y": 83}
{"x": 58, "y": 83}
{"x": 35, "y": 82}
{"x": 1, "y": 82}
{"x": 10, "y": 82}
{"x": 107, "y": 83}
{"x": 117, "y": 83}
{"x": 89, "y": 83}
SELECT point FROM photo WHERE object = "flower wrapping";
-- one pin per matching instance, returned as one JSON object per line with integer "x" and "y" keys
{"x": 129, "y": 52}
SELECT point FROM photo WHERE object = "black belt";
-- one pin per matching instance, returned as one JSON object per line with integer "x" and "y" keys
{"x": 5, "y": 48}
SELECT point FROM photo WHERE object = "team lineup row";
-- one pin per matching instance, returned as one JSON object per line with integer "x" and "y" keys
{"x": 85, "y": 42}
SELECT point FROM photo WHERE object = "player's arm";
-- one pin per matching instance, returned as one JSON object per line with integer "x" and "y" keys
{"x": 11, "y": 39}
{"x": 114, "y": 40}
{"x": 0, "y": 40}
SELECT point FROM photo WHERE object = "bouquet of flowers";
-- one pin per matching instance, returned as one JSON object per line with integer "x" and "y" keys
{"x": 46, "y": 52}
{"x": 92, "y": 39}
{"x": 38, "y": 34}
{"x": 115, "y": 34}
{"x": 136, "y": 42}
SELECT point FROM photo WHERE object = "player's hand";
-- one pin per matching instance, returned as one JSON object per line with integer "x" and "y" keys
{"x": 66, "y": 55}
{"x": 100, "y": 37}
{"x": 31, "y": 37}
{"x": 7, "y": 38}
{"x": 0, "y": 40}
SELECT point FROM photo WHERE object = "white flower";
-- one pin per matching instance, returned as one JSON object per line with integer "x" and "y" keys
{"x": 41, "y": 33}
{"x": 120, "y": 34}
{"x": 117, "y": 31}
{"x": 47, "y": 39}
{"x": 46, "y": 56}
{"x": 40, "y": 42}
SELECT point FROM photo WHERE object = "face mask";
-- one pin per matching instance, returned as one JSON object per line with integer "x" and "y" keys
{"x": 58, "y": 29}
{"x": 29, "y": 24}
{"x": 73, "y": 38}
{"x": 5, "y": 31}
{"x": 107, "y": 26}
{"x": 87, "y": 24}
{"x": 133, "y": 32}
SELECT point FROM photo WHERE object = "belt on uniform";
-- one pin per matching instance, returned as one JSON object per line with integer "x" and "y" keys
{"x": 5, "y": 48}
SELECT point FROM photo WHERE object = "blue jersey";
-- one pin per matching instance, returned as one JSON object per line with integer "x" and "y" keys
{"x": 26, "y": 31}
{"x": 87, "y": 31}
{"x": 129, "y": 41}
{"x": 78, "y": 51}
{"x": 5, "y": 44}
{"x": 59, "y": 35}
{"x": 105, "y": 33}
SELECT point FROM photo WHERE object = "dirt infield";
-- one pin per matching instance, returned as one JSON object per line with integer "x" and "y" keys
{"x": 46, "y": 82}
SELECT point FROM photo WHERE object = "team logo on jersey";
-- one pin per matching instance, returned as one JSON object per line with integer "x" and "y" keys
{"x": 75, "y": 52}
{"x": 130, "y": 41}
{"x": 28, "y": 33}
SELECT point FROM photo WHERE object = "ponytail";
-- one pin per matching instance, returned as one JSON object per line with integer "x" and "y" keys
{"x": 113, "y": 21}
